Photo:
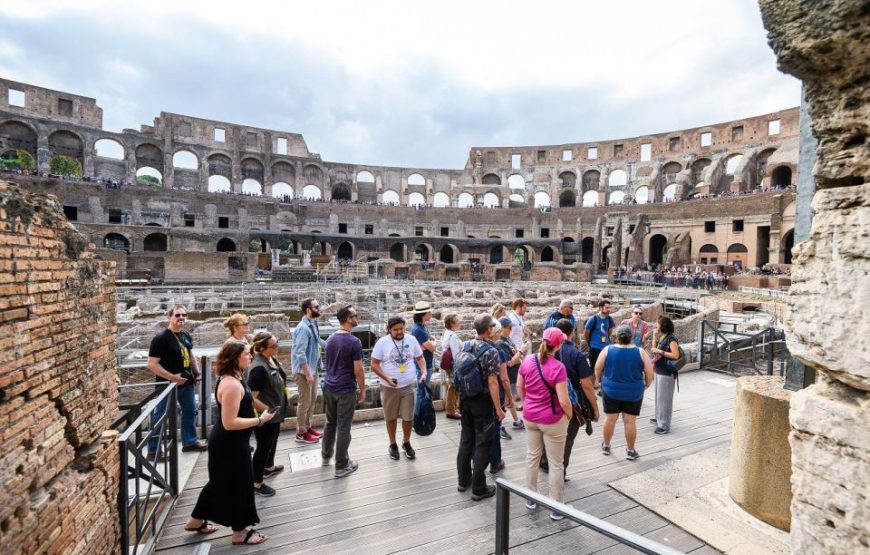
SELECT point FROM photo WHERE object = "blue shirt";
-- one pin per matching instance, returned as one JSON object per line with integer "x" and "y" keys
{"x": 421, "y": 334}
{"x": 576, "y": 364}
{"x": 623, "y": 374}
{"x": 306, "y": 346}
{"x": 551, "y": 320}
{"x": 599, "y": 331}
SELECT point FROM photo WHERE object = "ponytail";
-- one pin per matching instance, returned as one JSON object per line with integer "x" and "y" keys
{"x": 544, "y": 351}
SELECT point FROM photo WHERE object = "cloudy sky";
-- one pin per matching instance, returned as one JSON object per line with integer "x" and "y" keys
{"x": 403, "y": 82}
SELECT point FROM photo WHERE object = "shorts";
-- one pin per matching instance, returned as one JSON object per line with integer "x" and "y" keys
{"x": 615, "y": 406}
{"x": 398, "y": 403}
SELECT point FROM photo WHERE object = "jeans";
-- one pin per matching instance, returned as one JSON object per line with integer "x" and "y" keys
{"x": 478, "y": 422}
{"x": 187, "y": 402}
{"x": 495, "y": 449}
{"x": 339, "y": 408}
{"x": 267, "y": 442}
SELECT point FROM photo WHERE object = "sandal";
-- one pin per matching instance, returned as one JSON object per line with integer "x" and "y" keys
{"x": 247, "y": 541}
{"x": 204, "y": 528}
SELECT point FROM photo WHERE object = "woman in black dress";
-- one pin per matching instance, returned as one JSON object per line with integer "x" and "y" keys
{"x": 228, "y": 497}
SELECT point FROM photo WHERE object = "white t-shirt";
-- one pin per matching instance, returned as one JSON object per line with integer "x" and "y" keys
{"x": 450, "y": 339}
{"x": 517, "y": 329}
{"x": 396, "y": 364}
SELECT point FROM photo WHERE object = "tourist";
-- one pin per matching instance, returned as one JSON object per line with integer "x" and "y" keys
{"x": 543, "y": 386}
{"x": 511, "y": 357}
{"x": 228, "y": 497}
{"x": 238, "y": 328}
{"x": 392, "y": 358}
{"x": 581, "y": 379}
{"x": 268, "y": 383}
{"x": 422, "y": 315}
{"x": 170, "y": 358}
{"x": 343, "y": 389}
{"x": 624, "y": 372}
{"x": 506, "y": 352}
{"x": 520, "y": 337}
{"x": 450, "y": 341}
{"x": 305, "y": 364}
{"x": 597, "y": 331}
{"x": 641, "y": 331}
{"x": 565, "y": 310}
{"x": 481, "y": 413}
{"x": 497, "y": 311}
{"x": 666, "y": 349}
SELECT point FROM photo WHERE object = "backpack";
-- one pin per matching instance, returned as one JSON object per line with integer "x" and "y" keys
{"x": 424, "y": 411}
{"x": 675, "y": 365}
{"x": 467, "y": 374}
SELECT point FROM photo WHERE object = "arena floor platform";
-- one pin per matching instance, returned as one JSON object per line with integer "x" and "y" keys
{"x": 413, "y": 507}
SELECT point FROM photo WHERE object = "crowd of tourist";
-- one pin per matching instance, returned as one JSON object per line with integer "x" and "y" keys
{"x": 549, "y": 394}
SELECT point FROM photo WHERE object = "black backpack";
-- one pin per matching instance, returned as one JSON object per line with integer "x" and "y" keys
{"x": 424, "y": 412}
{"x": 467, "y": 374}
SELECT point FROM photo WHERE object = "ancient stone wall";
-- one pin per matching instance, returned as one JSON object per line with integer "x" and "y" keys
{"x": 58, "y": 463}
{"x": 827, "y": 45}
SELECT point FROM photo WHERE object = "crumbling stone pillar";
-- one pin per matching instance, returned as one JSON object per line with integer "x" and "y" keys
{"x": 826, "y": 45}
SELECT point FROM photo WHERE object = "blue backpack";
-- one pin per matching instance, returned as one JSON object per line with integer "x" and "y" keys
{"x": 467, "y": 374}
{"x": 424, "y": 412}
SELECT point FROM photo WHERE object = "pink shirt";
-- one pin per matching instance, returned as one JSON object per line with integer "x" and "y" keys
{"x": 536, "y": 404}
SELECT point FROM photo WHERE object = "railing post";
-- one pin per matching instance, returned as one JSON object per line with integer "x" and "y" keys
{"x": 173, "y": 442}
{"x": 502, "y": 519}
{"x": 771, "y": 336}
{"x": 123, "y": 494}
{"x": 204, "y": 397}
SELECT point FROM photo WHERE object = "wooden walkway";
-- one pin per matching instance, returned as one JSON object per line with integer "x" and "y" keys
{"x": 413, "y": 507}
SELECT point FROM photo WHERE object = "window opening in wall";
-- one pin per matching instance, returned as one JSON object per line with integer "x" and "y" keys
{"x": 519, "y": 233}
{"x": 281, "y": 146}
{"x": 251, "y": 139}
{"x": 16, "y": 98}
{"x": 773, "y": 127}
{"x": 618, "y": 150}
{"x": 673, "y": 144}
{"x": 516, "y": 161}
{"x": 706, "y": 138}
{"x": 545, "y": 233}
{"x": 235, "y": 263}
{"x": 631, "y": 228}
{"x": 737, "y": 226}
{"x": 189, "y": 220}
{"x": 342, "y": 228}
{"x": 542, "y": 156}
{"x": 490, "y": 158}
{"x": 115, "y": 216}
{"x": 645, "y": 152}
{"x": 709, "y": 227}
{"x": 418, "y": 231}
{"x": 223, "y": 222}
{"x": 64, "y": 107}
{"x": 220, "y": 135}
{"x": 567, "y": 155}
{"x": 71, "y": 213}
{"x": 609, "y": 231}
{"x": 737, "y": 133}
{"x": 369, "y": 229}
{"x": 592, "y": 153}
{"x": 445, "y": 232}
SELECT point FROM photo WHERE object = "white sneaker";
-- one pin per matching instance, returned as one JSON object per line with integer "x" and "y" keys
{"x": 531, "y": 505}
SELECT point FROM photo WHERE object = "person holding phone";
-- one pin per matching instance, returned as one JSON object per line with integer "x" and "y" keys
{"x": 268, "y": 382}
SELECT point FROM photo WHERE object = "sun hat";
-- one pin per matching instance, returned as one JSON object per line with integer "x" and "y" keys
{"x": 422, "y": 307}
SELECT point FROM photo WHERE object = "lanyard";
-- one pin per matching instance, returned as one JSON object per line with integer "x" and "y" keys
{"x": 185, "y": 354}
{"x": 401, "y": 358}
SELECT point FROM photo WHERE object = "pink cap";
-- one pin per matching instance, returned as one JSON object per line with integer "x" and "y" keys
{"x": 554, "y": 337}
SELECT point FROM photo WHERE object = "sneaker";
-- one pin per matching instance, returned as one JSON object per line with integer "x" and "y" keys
{"x": 347, "y": 470}
{"x": 497, "y": 468}
{"x": 504, "y": 433}
{"x": 315, "y": 432}
{"x": 278, "y": 468}
{"x": 557, "y": 516}
{"x": 305, "y": 438}
{"x": 394, "y": 452}
{"x": 312, "y": 436}
{"x": 631, "y": 454}
{"x": 409, "y": 451}
{"x": 454, "y": 416}
{"x": 519, "y": 425}
{"x": 653, "y": 420}
{"x": 325, "y": 461}
{"x": 460, "y": 488}
{"x": 264, "y": 490}
{"x": 488, "y": 492}
{"x": 531, "y": 505}
{"x": 605, "y": 449}
{"x": 661, "y": 431}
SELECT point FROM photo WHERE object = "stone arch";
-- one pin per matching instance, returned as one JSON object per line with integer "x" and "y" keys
{"x": 155, "y": 242}
{"x": 365, "y": 177}
{"x": 397, "y": 252}
{"x": 340, "y": 191}
{"x": 449, "y": 254}
{"x": 391, "y": 197}
{"x": 416, "y": 179}
{"x": 641, "y": 195}
{"x": 787, "y": 246}
{"x": 149, "y": 155}
{"x": 616, "y": 197}
{"x": 20, "y": 136}
{"x": 732, "y": 163}
{"x": 567, "y": 198}
{"x": 708, "y": 254}
{"x": 226, "y": 245}
{"x": 116, "y": 241}
{"x": 441, "y": 200}
{"x": 698, "y": 167}
{"x": 251, "y": 186}
{"x": 416, "y": 199}
{"x": 220, "y": 164}
{"x": 251, "y": 168}
{"x": 669, "y": 172}
{"x": 423, "y": 252}
{"x": 761, "y": 164}
{"x": 185, "y": 159}
{"x": 617, "y": 178}
{"x": 465, "y": 200}
{"x": 542, "y": 199}
{"x": 284, "y": 171}
{"x": 491, "y": 200}
{"x": 345, "y": 251}
{"x": 658, "y": 245}
{"x": 219, "y": 184}
{"x": 670, "y": 192}
{"x": 312, "y": 192}
{"x": 522, "y": 254}
{"x": 568, "y": 179}
{"x": 282, "y": 189}
{"x": 591, "y": 180}
{"x": 590, "y": 198}
{"x": 148, "y": 176}
{"x": 516, "y": 182}
{"x": 780, "y": 176}
{"x": 496, "y": 254}
{"x": 737, "y": 252}
{"x": 313, "y": 174}
{"x": 110, "y": 148}
{"x": 491, "y": 179}
{"x": 67, "y": 143}
{"x": 547, "y": 254}
{"x": 516, "y": 201}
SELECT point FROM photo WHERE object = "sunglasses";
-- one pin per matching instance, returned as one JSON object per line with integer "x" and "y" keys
{"x": 638, "y": 313}
{"x": 180, "y": 315}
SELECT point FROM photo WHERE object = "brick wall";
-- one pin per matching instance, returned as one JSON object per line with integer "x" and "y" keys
{"x": 58, "y": 462}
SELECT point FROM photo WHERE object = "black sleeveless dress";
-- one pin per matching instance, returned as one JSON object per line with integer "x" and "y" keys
{"x": 228, "y": 497}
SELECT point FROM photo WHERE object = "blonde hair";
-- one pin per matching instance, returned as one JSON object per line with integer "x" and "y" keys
{"x": 233, "y": 322}
{"x": 545, "y": 350}
{"x": 496, "y": 308}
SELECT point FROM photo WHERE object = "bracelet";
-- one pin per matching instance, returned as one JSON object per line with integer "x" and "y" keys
{"x": 259, "y": 421}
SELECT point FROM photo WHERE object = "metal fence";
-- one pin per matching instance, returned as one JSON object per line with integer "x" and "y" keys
{"x": 761, "y": 352}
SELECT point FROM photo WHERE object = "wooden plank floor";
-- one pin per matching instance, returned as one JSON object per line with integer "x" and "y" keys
{"x": 413, "y": 507}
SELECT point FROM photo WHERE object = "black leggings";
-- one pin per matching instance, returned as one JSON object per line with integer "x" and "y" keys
{"x": 267, "y": 442}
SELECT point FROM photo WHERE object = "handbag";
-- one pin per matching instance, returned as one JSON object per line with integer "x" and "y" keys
{"x": 576, "y": 410}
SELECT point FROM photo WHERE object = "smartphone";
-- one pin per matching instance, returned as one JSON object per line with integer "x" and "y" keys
{"x": 274, "y": 409}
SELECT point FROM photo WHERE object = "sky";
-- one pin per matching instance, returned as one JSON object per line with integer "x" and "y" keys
{"x": 406, "y": 83}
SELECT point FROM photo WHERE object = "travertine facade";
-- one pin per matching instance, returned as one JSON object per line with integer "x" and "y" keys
{"x": 58, "y": 463}
{"x": 826, "y": 45}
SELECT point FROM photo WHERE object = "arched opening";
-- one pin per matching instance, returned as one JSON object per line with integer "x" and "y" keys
{"x": 220, "y": 164}
{"x": 313, "y": 174}
{"x": 587, "y": 247}
{"x": 616, "y": 197}
{"x": 109, "y": 148}
{"x": 116, "y": 242}
{"x": 441, "y": 200}
{"x": 447, "y": 255}
{"x": 252, "y": 187}
{"x": 185, "y": 160}
{"x": 226, "y": 245}
{"x": 641, "y": 195}
{"x": 345, "y": 251}
{"x": 311, "y": 192}
{"x": 709, "y": 254}
{"x": 251, "y": 168}
{"x": 516, "y": 201}
{"x": 416, "y": 199}
{"x": 590, "y": 198}
{"x": 669, "y": 172}
{"x": 521, "y": 256}
{"x": 416, "y": 179}
{"x": 568, "y": 179}
{"x": 542, "y": 200}
{"x": 617, "y": 178}
{"x": 465, "y": 200}
{"x": 422, "y": 253}
{"x": 605, "y": 252}
{"x": 284, "y": 172}
{"x": 698, "y": 167}
{"x": 155, "y": 242}
{"x": 567, "y": 198}
{"x": 150, "y": 155}
{"x": 732, "y": 162}
{"x": 738, "y": 255}
{"x": 670, "y": 193}
{"x": 591, "y": 180}
{"x": 282, "y": 190}
{"x": 390, "y": 197}
{"x": 516, "y": 181}
{"x": 258, "y": 245}
{"x": 761, "y": 164}
{"x": 66, "y": 143}
{"x": 18, "y": 136}
{"x": 657, "y": 246}
{"x": 780, "y": 177}
{"x": 490, "y": 200}
{"x": 397, "y": 252}
{"x": 365, "y": 177}
{"x": 547, "y": 254}
{"x": 65, "y": 165}
{"x": 787, "y": 246}
{"x": 491, "y": 179}
{"x": 148, "y": 177}
{"x": 219, "y": 184}
{"x": 496, "y": 254}
{"x": 341, "y": 192}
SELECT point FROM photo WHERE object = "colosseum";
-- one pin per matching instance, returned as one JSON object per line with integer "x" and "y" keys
{"x": 188, "y": 199}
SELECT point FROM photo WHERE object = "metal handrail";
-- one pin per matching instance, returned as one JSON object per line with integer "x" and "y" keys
{"x": 502, "y": 521}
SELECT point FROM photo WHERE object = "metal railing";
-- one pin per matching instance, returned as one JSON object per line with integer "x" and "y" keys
{"x": 148, "y": 487}
{"x": 504, "y": 489}
{"x": 740, "y": 352}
